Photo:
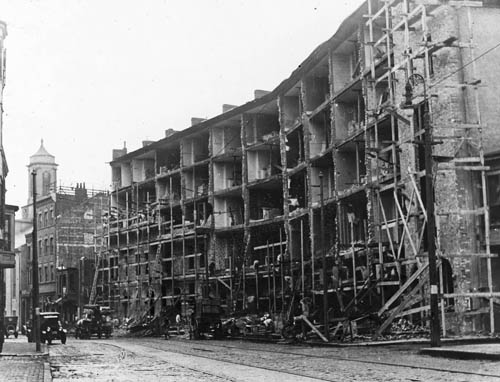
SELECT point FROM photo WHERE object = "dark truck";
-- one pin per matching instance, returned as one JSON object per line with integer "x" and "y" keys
{"x": 96, "y": 321}
{"x": 204, "y": 317}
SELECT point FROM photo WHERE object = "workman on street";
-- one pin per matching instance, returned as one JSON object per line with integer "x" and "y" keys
{"x": 305, "y": 304}
{"x": 167, "y": 327}
{"x": 178, "y": 322}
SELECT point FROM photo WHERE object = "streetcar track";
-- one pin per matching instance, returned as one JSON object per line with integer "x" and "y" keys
{"x": 226, "y": 361}
{"x": 184, "y": 348}
{"x": 106, "y": 343}
{"x": 244, "y": 364}
{"x": 346, "y": 359}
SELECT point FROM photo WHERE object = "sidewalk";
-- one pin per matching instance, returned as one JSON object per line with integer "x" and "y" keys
{"x": 466, "y": 351}
{"x": 19, "y": 362}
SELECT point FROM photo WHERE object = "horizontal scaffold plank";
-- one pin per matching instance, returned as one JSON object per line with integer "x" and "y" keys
{"x": 477, "y": 211}
{"x": 472, "y": 294}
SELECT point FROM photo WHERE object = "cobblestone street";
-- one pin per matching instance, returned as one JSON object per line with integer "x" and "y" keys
{"x": 153, "y": 359}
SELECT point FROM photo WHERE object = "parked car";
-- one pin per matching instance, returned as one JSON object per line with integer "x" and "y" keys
{"x": 10, "y": 324}
{"x": 51, "y": 328}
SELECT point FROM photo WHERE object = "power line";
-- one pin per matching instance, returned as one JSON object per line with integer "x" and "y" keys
{"x": 465, "y": 65}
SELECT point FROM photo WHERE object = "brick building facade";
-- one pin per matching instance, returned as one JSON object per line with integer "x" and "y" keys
{"x": 68, "y": 221}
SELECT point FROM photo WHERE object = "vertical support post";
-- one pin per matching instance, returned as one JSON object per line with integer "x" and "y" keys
{"x": 429, "y": 206}
{"x": 171, "y": 200}
{"x": 323, "y": 255}
{"x": 353, "y": 252}
{"x": 274, "y": 279}
{"x": 282, "y": 275}
{"x": 127, "y": 236}
{"x": 195, "y": 224}
{"x": 431, "y": 227}
{"x": 441, "y": 290}
{"x": 116, "y": 305}
{"x": 257, "y": 297}
{"x": 231, "y": 275}
{"x": 312, "y": 228}
{"x": 268, "y": 262}
{"x": 244, "y": 281}
{"x": 34, "y": 245}
{"x": 80, "y": 287}
{"x": 140, "y": 279}
{"x": 358, "y": 175}
{"x": 207, "y": 276}
{"x": 302, "y": 257}
{"x": 196, "y": 257}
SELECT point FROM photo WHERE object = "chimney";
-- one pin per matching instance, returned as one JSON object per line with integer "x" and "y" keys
{"x": 195, "y": 121}
{"x": 117, "y": 153}
{"x": 146, "y": 143}
{"x": 169, "y": 132}
{"x": 80, "y": 192}
{"x": 226, "y": 108}
{"x": 260, "y": 93}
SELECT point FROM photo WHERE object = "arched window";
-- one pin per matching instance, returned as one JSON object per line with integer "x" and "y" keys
{"x": 46, "y": 179}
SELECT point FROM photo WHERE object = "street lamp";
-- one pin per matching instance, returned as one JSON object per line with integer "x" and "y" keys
{"x": 413, "y": 80}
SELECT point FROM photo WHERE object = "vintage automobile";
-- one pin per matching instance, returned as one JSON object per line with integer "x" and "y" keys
{"x": 96, "y": 321}
{"x": 10, "y": 324}
{"x": 50, "y": 328}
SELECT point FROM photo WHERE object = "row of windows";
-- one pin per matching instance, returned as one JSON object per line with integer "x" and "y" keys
{"x": 46, "y": 273}
{"x": 46, "y": 246}
{"x": 45, "y": 218}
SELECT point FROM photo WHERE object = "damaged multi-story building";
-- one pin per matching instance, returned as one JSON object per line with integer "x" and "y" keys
{"x": 321, "y": 186}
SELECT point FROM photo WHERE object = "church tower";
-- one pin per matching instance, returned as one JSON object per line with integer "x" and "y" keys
{"x": 46, "y": 173}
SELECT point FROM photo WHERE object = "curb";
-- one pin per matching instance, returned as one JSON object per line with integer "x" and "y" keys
{"x": 410, "y": 341}
{"x": 31, "y": 355}
{"x": 451, "y": 341}
{"x": 460, "y": 354}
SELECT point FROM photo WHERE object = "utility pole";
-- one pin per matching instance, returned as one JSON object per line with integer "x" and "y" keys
{"x": 34, "y": 244}
{"x": 431, "y": 228}
{"x": 429, "y": 206}
{"x": 323, "y": 255}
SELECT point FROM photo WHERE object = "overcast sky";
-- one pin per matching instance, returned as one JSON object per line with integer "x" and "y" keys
{"x": 87, "y": 75}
